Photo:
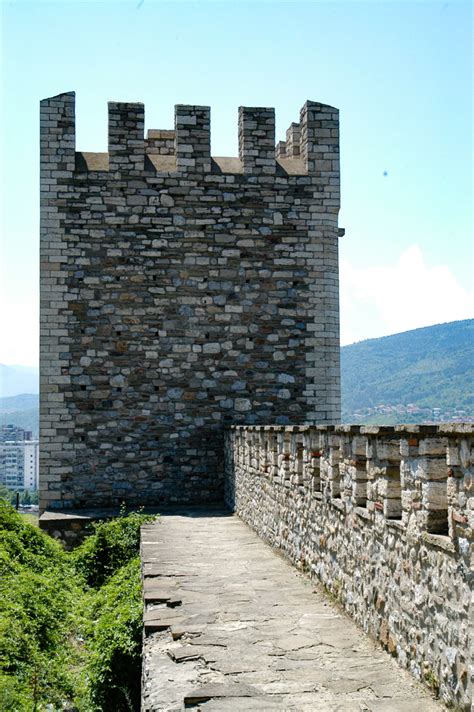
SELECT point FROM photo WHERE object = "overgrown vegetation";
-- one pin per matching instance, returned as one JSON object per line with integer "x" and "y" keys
{"x": 70, "y": 623}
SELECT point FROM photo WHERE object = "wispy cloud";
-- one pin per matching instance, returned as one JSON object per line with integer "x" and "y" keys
{"x": 381, "y": 300}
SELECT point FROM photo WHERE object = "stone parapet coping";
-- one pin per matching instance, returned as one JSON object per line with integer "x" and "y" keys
{"x": 409, "y": 428}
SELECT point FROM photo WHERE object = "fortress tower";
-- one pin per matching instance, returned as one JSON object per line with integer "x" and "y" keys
{"x": 181, "y": 293}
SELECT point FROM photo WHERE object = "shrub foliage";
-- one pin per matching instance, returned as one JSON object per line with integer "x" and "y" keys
{"x": 113, "y": 544}
{"x": 70, "y": 623}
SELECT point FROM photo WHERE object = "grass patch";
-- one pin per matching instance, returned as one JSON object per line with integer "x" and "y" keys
{"x": 30, "y": 518}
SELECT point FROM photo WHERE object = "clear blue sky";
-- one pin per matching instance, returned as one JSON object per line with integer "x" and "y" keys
{"x": 400, "y": 73}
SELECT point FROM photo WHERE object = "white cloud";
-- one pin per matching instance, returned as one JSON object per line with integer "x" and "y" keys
{"x": 387, "y": 299}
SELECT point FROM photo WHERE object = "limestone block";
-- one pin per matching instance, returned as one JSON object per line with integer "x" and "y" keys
{"x": 431, "y": 468}
{"x": 433, "y": 446}
{"x": 434, "y": 495}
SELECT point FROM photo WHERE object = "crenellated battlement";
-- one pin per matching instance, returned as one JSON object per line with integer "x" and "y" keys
{"x": 311, "y": 146}
{"x": 160, "y": 142}
{"x": 181, "y": 292}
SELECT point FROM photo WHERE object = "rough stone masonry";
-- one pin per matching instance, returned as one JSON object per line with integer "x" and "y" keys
{"x": 384, "y": 518}
{"x": 181, "y": 293}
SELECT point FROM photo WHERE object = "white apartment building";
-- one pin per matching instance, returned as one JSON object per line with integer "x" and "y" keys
{"x": 19, "y": 464}
{"x": 31, "y": 465}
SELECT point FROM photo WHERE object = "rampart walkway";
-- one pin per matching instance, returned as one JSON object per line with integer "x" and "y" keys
{"x": 231, "y": 626}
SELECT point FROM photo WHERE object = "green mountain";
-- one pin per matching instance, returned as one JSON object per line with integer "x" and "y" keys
{"x": 22, "y": 411}
{"x": 417, "y": 376}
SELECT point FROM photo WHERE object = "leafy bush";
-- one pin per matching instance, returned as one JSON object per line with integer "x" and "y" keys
{"x": 37, "y": 593}
{"x": 22, "y": 544}
{"x": 63, "y": 642}
{"x": 13, "y": 695}
{"x": 112, "y": 545}
{"x": 114, "y": 667}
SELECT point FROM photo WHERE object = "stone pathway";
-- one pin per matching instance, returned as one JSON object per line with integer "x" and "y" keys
{"x": 229, "y": 625}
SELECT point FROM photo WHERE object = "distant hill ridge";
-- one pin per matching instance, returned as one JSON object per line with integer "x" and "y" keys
{"x": 21, "y": 410}
{"x": 419, "y": 375}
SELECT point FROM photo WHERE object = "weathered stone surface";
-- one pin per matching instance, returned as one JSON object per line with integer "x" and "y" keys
{"x": 271, "y": 640}
{"x": 324, "y": 497}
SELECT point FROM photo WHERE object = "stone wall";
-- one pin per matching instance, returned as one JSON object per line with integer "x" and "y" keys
{"x": 181, "y": 293}
{"x": 384, "y": 518}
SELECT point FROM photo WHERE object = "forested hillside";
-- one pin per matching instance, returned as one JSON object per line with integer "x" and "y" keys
{"x": 424, "y": 374}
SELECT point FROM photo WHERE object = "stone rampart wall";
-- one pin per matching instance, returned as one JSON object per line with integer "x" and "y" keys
{"x": 384, "y": 518}
{"x": 181, "y": 293}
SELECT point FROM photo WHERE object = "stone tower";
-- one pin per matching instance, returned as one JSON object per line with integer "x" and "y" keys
{"x": 181, "y": 293}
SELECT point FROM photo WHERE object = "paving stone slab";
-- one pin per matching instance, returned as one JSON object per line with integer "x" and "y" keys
{"x": 251, "y": 633}
{"x": 216, "y": 691}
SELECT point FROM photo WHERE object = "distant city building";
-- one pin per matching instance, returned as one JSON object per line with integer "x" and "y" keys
{"x": 19, "y": 464}
{"x": 31, "y": 465}
{"x": 10, "y": 433}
